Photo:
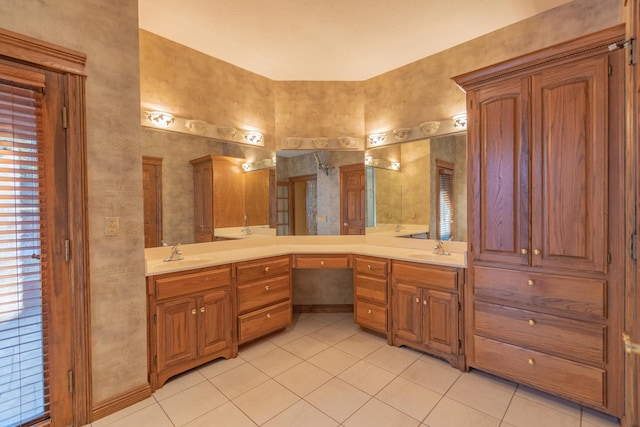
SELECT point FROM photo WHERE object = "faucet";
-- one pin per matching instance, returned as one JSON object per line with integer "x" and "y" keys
{"x": 438, "y": 249}
{"x": 246, "y": 230}
{"x": 176, "y": 254}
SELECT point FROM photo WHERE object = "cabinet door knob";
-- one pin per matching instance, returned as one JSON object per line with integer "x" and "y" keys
{"x": 266, "y": 287}
{"x": 531, "y": 361}
{"x": 417, "y": 300}
{"x": 369, "y": 311}
{"x": 537, "y": 251}
{"x": 524, "y": 251}
{"x": 369, "y": 266}
{"x": 266, "y": 269}
{"x": 268, "y": 315}
{"x": 201, "y": 309}
{"x": 532, "y": 322}
{"x": 424, "y": 302}
{"x": 193, "y": 311}
{"x": 531, "y": 282}
{"x": 346, "y": 224}
{"x": 322, "y": 263}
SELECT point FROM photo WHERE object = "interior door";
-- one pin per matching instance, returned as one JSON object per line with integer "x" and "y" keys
{"x": 152, "y": 195}
{"x": 352, "y": 199}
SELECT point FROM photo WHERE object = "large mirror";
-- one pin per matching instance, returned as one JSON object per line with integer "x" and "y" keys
{"x": 418, "y": 189}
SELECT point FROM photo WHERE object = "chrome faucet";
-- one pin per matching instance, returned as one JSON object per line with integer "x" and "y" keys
{"x": 176, "y": 254}
{"x": 438, "y": 249}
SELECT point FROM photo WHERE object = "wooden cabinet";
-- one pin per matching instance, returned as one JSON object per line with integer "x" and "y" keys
{"x": 218, "y": 193}
{"x": 322, "y": 261}
{"x": 263, "y": 297}
{"x": 426, "y": 309}
{"x": 191, "y": 321}
{"x": 546, "y": 219}
{"x": 370, "y": 283}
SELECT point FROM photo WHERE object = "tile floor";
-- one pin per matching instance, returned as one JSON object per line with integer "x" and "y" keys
{"x": 325, "y": 371}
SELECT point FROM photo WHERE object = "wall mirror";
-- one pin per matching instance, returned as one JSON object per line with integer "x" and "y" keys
{"x": 308, "y": 191}
{"x": 418, "y": 189}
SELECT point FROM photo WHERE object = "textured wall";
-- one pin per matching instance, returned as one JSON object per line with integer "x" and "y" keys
{"x": 107, "y": 32}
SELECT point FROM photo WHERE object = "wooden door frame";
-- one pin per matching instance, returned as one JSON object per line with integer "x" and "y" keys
{"x": 343, "y": 170}
{"x": 292, "y": 198}
{"x": 157, "y": 162}
{"x": 39, "y": 54}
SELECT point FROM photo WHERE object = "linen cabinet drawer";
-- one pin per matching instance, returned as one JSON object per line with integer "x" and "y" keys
{"x": 262, "y": 293}
{"x": 562, "y": 293}
{"x": 371, "y": 316}
{"x": 552, "y": 334}
{"x": 203, "y": 237}
{"x": 261, "y": 322}
{"x": 556, "y": 375}
{"x": 187, "y": 283}
{"x": 371, "y": 266}
{"x": 371, "y": 289}
{"x": 322, "y": 261}
{"x": 442, "y": 277}
{"x": 262, "y": 268}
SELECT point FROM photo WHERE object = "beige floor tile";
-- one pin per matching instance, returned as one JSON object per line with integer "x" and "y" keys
{"x": 306, "y": 326}
{"x": 333, "y": 360}
{"x": 347, "y": 325}
{"x": 220, "y": 366}
{"x": 591, "y": 418}
{"x": 239, "y": 380}
{"x": 528, "y": 413}
{"x": 254, "y": 349}
{"x": 265, "y": 401}
{"x": 331, "y": 334}
{"x": 377, "y": 413}
{"x": 330, "y": 318}
{"x": 179, "y": 383}
{"x": 124, "y": 412}
{"x": 303, "y": 378}
{"x": 284, "y": 337}
{"x": 275, "y": 362}
{"x": 361, "y": 344}
{"x": 449, "y": 413}
{"x": 150, "y": 416}
{"x": 338, "y": 399}
{"x": 305, "y": 347}
{"x": 438, "y": 378}
{"x": 227, "y": 415}
{"x": 483, "y": 392}
{"x": 409, "y": 397}
{"x": 367, "y": 377}
{"x": 549, "y": 401}
{"x": 301, "y": 414}
{"x": 192, "y": 403}
{"x": 393, "y": 359}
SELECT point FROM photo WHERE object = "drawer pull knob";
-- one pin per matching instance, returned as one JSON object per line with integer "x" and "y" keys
{"x": 424, "y": 302}
{"x": 531, "y": 282}
{"x": 266, "y": 269}
{"x": 369, "y": 311}
{"x": 524, "y": 251}
{"x": 266, "y": 287}
{"x": 531, "y": 361}
{"x": 537, "y": 251}
{"x": 322, "y": 263}
{"x": 201, "y": 309}
{"x": 369, "y": 266}
{"x": 268, "y": 315}
{"x": 532, "y": 322}
{"x": 418, "y": 300}
{"x": 193, "y": 311}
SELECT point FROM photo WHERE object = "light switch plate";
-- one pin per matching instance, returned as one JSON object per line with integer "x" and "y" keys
{"x": 111, "y": 226}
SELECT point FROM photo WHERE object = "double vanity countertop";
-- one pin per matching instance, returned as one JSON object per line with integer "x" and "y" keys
{"x": 200, "y": 255}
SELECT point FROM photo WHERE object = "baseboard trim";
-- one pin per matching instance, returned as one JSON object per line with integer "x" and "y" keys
{"x": 323, "y": 308}
{"x": 116, "y": 403}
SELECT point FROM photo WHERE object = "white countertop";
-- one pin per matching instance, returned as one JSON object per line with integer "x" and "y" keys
{"x": 209, "y": 254}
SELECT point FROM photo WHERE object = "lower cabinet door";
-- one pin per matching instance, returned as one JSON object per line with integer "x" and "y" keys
{"x": 177, "y": 339}
{"x": 215, "y": 328}
{"x": 262, "y": 322}
{"x": 407, "y": 312}
{"x": 440, "y": 320}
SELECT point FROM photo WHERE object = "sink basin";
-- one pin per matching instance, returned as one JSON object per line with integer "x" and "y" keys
{"x": 187, "y": 262}
{"x": 426, "y": 257}
{"x": 451, "y": 258}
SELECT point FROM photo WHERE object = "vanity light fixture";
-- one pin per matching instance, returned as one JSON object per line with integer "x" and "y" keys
{"x": 368, "y": 160}
{"x": 429, "y": 128}
{"x": 460, "y": 121}
{"x": 377, "y": 138}
{"x": 247, "y": 167}
{"x": 395, "y": 166}
{"x": 253, "y": 137}
{"x": 227, "y": 132}
{"x": 197, "y": 127}
{"x": 402, "y": 133}
{"x": 160, "y": 119}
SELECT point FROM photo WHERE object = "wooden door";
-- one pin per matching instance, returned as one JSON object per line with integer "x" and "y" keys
{"x": 570, "y": 164}
{"x": 259, "y": 197}
{"x": 352, "y": 199}
{"x": 440, "y": 320}
{"x": 498, "y": 172}
{"x": 407, "y": 312}
{"x": 203, "y": 198}
{"x": 214, "y": 328}
{"x": 177, "y": 333}
{"x": 152, "y": 196}
{"x": 302, "y": 205}
{"x": 228, "y": 193}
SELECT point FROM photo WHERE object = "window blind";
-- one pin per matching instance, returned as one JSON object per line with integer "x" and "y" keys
{"x": 445, "y": 203}
{"x": 24, "y": 392}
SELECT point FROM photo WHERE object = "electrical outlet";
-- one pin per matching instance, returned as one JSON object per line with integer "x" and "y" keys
{"x": 322, "y": 218}
{"x": 111, "y": 226}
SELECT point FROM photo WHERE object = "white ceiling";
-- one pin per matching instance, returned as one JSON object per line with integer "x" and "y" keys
{"x": 330, "y": 40}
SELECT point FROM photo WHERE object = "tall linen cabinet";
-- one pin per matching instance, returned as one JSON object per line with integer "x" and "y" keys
{"x": 546, "y": 245}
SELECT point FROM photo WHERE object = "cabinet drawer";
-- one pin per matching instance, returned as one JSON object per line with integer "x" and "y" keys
{"x": 322, "y": 261}
{"x": 553, "y": 374}
{"x": 203, "y": 237}
{"x": 568, "y": 338}
{"x": 371, "y": 316}
{"x": 188, "y": 283}
{"x": 561, "y": 293}
{"x": 371, "y": 266}
{"x": 262, "y": 268}
{"x": 371, "y": 288}
{"x": 261, "y": 322}
{"x": 425, "y": 275}
{"x": 261, "y": 293}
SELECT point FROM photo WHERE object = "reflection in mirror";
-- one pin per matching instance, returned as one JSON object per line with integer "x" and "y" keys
{"x": 426, "y": 197}
{"x": 308, "y": 191}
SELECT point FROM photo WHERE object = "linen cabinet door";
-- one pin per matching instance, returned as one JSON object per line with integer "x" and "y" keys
{"x": 215, "y": 328}
{"x": 570, "y": 164}
{"x": 177, "y": 339}
{"x": 440, "y": 320}
{"x": 498, "y": 166}
{"x": 407, "y": 312}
